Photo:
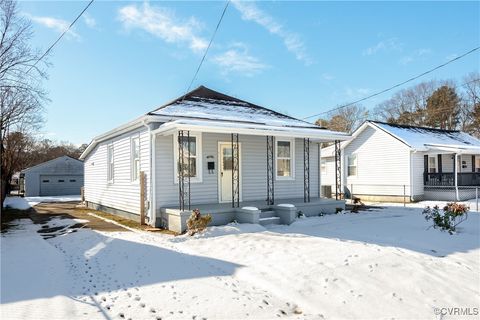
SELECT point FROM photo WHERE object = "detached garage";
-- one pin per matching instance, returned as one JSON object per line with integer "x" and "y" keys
{"x": 57, "y": 177}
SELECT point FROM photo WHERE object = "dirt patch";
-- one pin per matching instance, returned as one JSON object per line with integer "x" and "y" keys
{"x": 67, "y": 210}
{"x": 9, "y": 216}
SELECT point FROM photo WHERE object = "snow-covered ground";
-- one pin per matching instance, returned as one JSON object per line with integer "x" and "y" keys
{"x": 27, "y": 202}
{"x": 472, "y": 204}
{"x": 372, "y": 265}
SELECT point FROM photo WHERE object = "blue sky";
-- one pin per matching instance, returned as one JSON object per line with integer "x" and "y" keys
{"x": 122, "y": 59}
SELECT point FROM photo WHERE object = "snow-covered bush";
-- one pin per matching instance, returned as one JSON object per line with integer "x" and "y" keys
{"x": 448, "y": 218}
{"x": 196, "y": 222}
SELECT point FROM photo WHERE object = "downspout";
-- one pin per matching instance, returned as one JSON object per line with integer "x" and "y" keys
{"x": 412, "y": 152}
{"x": 319, "y": 166}
{"x": 455, "y": 164}
{"x": 152, "y": 203}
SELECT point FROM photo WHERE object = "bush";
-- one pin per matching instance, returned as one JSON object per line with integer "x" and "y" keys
{"x": 451, "y": 216}
{"x": 197, "y": 223}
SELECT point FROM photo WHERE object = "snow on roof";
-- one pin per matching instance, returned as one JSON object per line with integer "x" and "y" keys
{"x": 204, "y": 103}
{"x": 422, "y": 139}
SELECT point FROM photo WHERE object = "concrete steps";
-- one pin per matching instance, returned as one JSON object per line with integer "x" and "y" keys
{"x": 269, "y": 221}
{"x": 267, "y": 213}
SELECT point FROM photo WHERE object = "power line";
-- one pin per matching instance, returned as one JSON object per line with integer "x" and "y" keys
{"x": 60, "y": 37}
{"x": 208, "y": 47}
{"x": 395, "y": 86}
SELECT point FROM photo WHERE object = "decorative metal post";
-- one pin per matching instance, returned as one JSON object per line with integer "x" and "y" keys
{"x": 270, "y": 170}
{"x": 235, "y": 171}
{"x": 184, "y": 169}
{"x": 338, "y": 170}
{"x": 306, "y": 170}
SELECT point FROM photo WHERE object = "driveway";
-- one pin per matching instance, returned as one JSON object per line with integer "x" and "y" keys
{"x": 43, "y": 212}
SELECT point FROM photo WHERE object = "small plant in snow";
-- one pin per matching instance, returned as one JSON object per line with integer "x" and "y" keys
{"x": 300, "y": 214}
{"x": 338, "y": 210}
{"x": 197, "y": 223}
{"x": 448, "y": 218}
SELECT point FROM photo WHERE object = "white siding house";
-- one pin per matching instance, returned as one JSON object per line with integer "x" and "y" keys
{"x": 389, "y": 162}
{"x": 209, "y": 151}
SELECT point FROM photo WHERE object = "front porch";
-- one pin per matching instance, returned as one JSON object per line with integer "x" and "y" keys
{"x": 259, "y": 212}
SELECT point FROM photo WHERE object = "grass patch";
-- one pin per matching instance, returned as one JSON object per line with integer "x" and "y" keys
{"x": 125, "y": 222}
{"x": 9, "y": 216}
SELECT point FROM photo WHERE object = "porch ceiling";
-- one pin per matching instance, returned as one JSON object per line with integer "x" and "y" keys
{"x": 318, "y": 135}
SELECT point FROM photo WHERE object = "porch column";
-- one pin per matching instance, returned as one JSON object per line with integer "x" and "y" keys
{"x": 270, "y": 170}
{"x": 306, "y": 170}
{"x": 338, "y": 170}
{"x": 184, "y": 166}
{"x": 235, "y": 171}
{"x": 455, "y": 167}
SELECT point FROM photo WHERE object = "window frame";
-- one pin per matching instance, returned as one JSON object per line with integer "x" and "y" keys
{"x": 353, "y": 155}
{"x": 291, "y": 158}
{"x": 323, "y": 166}
{"x": 110, "y": 164}
{"x": 477, "y": 164}
{"x": 436, "y": 163}
{"x": 133, "y": 177}
{"x": 199, "y": 168}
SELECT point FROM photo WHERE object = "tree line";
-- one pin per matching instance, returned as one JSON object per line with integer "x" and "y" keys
{"x": 22, "y": 99}
{"x": 436, "y": 104}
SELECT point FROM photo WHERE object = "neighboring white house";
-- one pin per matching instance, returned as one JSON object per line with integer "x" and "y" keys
{"x": 60, "y": 176}
{"x": 387, "y": 162}
{"x": 210, "y": 151}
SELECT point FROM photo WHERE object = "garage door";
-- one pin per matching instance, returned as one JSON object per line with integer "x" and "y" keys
{"x": 60, "y": 185}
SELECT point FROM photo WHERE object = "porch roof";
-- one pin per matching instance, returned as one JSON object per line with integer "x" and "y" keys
{"x": 315, "y": 134}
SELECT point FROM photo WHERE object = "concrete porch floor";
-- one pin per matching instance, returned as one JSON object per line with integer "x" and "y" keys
{"x": 262, "y": 204}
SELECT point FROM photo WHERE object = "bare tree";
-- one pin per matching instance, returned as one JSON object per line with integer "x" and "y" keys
{"x": 407, "y": 106}
{"x": 345, "y": 119}
{"x": 21, "y": 94}
{"x": 469, "y": 113}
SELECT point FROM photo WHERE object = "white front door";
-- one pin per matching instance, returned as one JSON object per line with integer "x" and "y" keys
{"x": 225, "y": 172}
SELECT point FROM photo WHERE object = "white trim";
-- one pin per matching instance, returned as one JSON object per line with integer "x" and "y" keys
{"x": 110, "y": 165}
{"x": 132, "y": 178}
{"x": 219, "y": 179}
{"x": 198, "y": 157}
{"x": 325, "y": 166}
{"x": 314, "y": 134}
{"x": 292, "y": 158}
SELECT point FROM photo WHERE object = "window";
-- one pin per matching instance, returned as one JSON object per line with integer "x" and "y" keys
{"x": 61, "y": 180}
{"x": 284, "y": 161}
{"x": 110, "y": 163}
{"x": 323, "y": 166}
{"x": 45, "y": 181}
{"x": 192, "y": 169}
{"x": 477, "y": 163}
{"x": 352, "y": 165}
{"x": 432, "y": 164}
{"x": 135, "y": 158}
{"x": 73, "y": 180}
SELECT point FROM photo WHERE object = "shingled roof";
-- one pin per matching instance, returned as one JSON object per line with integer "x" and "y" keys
{"x": 207, "y": 104}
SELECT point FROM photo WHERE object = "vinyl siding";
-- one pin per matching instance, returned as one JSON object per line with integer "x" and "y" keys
{"x": 383, "y": 164}
{"x": 328, "y": 178}
{"x": 63, "y": 166}
{"x": 122, "y": 193}
{"x": 417, "y": 174}
{"x": 253, "y": 171}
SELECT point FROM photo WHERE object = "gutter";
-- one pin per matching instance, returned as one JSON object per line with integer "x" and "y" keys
{"x": 249, "y": 129}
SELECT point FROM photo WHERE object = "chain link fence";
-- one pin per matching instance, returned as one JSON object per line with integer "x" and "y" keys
{"x": 411, "y": 196}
